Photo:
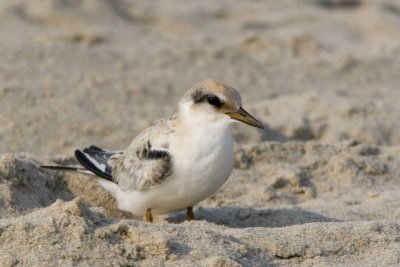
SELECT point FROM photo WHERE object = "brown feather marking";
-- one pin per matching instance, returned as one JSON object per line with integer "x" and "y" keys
{"x": 141, "y": 166}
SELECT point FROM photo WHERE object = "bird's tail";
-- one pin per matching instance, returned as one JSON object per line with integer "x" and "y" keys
{"x": 94, "y": 161}
{"x": 67, "y": 168}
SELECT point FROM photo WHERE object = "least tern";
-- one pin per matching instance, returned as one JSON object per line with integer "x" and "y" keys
{"x": 177, "y": 162}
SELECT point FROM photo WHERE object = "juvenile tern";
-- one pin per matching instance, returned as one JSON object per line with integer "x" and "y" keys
{"x": 177, "y": 162}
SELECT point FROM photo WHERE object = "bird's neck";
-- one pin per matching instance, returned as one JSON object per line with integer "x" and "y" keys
{"x": 204, "y": 140}
{"x": 197, "y": 119}
{"x": 205, "y": 122}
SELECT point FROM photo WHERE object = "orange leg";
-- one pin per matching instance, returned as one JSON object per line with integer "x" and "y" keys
{"x": 190, "y": 214}
{"x": 148, "y": 217}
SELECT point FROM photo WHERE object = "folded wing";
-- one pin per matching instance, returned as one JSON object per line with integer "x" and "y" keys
{"x": 147, "y": 162}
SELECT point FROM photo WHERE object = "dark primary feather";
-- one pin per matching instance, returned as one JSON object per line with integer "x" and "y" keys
{"x": 94, "y": 161}
{"x": 61, "y": 168}
{"x": 97, "y": 150}
{"x": 92, "y": 158}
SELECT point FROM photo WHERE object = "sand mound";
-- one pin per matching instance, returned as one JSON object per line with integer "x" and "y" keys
{"x": 24, "y": 188}
{"x": 72, "y": 234}
{"x": 309, "y": 203}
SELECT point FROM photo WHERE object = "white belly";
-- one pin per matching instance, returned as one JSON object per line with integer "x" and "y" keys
{"x": 200, "y": 169}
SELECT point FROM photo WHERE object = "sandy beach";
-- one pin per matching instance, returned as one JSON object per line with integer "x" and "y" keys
{"x": 320, "y": 186}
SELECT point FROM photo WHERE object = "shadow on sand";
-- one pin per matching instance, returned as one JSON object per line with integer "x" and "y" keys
{"x": 238, "y": 217}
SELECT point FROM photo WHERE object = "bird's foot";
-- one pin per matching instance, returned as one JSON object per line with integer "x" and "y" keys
{"x": 148, "y": 217}
{"x": 190, "y": 214}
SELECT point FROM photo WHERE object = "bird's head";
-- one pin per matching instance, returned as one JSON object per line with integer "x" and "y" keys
{"x": 215, "y": 101}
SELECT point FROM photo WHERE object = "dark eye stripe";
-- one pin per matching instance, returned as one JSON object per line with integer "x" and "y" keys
{"x": 199, "y": 96}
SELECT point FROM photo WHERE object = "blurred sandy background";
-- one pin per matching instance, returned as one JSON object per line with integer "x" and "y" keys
{"x": 319, "y": 186}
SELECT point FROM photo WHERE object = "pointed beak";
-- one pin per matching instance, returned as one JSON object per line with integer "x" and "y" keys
{"x": 243, "y": 116}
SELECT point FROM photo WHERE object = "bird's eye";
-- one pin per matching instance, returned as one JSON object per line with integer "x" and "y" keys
{"x": 214, "y": 101}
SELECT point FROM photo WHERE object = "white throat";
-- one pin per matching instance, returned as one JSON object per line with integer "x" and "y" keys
{"x": 203, "y": 118}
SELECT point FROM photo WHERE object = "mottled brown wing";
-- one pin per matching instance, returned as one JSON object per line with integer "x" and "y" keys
{"x": 147, "y": 162}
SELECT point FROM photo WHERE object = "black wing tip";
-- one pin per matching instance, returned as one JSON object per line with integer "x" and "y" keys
{"x": 85, "y": 162}
{"x": 93, "y": 149}
{"x": 78, "y": 153}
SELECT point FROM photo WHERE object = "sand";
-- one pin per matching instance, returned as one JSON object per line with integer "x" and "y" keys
{"x": 319, "y": 186}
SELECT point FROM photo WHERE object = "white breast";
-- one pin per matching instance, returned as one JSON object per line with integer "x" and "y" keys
{"x": 205, "y": 162}
{"x": 202, "y": 160}
{"x": 202, "y": 164}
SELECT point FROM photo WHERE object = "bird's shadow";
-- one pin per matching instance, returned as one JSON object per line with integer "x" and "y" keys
{"x": 239, "y": 217}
